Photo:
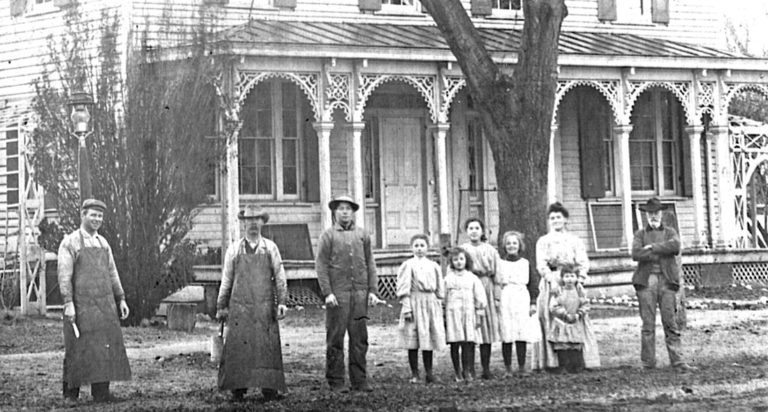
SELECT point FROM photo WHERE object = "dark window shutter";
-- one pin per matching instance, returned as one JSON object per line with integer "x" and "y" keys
{"x": 481, "y": 8}
{"x": 311, "y": 163}
{"x": 685, "y": 175}
{"x": 606, "y": 10}
{"x": 592, "y": 128}
{"x": 18, "y": 7}
{"x": 660, "y": 11}
{"x": 369, "y": 5}
{"x": 285, "y": 4}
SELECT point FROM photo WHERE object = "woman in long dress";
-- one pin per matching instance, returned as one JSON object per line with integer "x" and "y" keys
{"x": 557, "y": 248}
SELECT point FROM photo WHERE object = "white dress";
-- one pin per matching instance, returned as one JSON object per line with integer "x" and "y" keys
{"x": 515, "y": 322}
{"x": 420, "y": 290}
{"x": 464, "y": 296}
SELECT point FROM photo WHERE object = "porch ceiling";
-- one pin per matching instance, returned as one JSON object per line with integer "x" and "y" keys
{"x": 424, "y": 42}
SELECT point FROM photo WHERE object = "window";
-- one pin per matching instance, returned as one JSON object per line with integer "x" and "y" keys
{"x": 474, "y": 155}
{"x": 400, "y": 6}
{"x": 269, "y": 144}
{"x": 12, "y": 167}
{"x": 370, "y": 139}
{"x": 655, "y": 149}
{"x": 41, "y": 6}
{"x": 634, "y": 11}
{"x": 595, "y": 130}
{"x": 505, "y": 5}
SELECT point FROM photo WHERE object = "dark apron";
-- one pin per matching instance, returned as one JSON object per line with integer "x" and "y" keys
{"x": 252, "y": 355}
{"x": 98, "y": 355}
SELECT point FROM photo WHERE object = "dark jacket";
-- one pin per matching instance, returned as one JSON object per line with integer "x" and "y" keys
{"x": 666, "y": 252}
{"x": 345, "y": 262}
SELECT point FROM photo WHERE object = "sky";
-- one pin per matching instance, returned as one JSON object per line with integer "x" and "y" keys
{"x": 750, "y": 21}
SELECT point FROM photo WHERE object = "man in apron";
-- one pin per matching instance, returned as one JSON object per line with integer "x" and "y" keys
{"x": 346, "y": 273}
{"x": 252, "y": 281}
{"x": 94, "y": 352}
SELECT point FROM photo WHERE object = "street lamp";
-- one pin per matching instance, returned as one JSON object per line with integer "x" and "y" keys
{"x": 80, "y": 117}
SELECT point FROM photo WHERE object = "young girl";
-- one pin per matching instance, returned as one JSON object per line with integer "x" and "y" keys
{"x": 484, "y": 259}
{"x": 465, "y": 304}
{"x": 420, "y": 290}
{"x": 516, "y": 292}
{"x": 568, "y": 321}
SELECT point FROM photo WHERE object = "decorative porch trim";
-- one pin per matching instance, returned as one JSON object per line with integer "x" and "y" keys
{"x": 732, "y": 89}
{"x": 337, "y": 95}
{"x": 705, "y": 94}
{"x": 367, "y": 83}
{"x": 682, "y": 90}
{"x": 608, "y": 88}
{"x": 451, "y": 87}
{"x": 308, "y": 82}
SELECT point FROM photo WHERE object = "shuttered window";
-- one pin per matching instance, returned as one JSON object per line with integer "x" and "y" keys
{"x": 633, "y": 11}
{"x": 505, "y": 5}
{"x": 12, "y": 167}
{"x": 595, "y": 128}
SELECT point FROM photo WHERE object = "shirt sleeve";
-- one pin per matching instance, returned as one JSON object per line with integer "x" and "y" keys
{"x": 227, "y": 276}
{"x": 533, "y": 284}
{"x": 114, "y": 277}
{"x": 65, "y": 263}
{"x": 281, "y": 282}
{"x": 581, "y": 258}
{"x": 481, "y": 301}
{"x": 542, "y": 254}
{"x": 404, "y": 282}
{"x": 373, "y": 278}
{"x": 322, "y": 264}
{"x": 440, "y": 290}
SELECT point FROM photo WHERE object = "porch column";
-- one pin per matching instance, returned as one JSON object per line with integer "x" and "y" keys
{"x": 441, "y": 160}
{"x": 621, "y": 136}
{"x": 323, "y": 130}
{"x": 551, "y": 169}
{"x": 233, "y": 187}
{"x": 694, "y": 140}
{"x": 725, "y": 185}
{"x": 357, "y": 170}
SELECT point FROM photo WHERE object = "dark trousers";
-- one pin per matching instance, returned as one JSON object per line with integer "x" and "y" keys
{"x": 99, "y": 390}
{"x": 349, "y": 317}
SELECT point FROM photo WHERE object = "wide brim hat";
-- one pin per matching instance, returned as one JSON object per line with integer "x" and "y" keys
{"x": 333, "y": 204}
{"x": 253, "y": 212}
{"x": 652, "y": 205}
{"x": 94, "y": 204}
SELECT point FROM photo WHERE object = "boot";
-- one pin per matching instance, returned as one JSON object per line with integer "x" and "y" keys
{"x": 427, "y": 357}
{"x": 457, "y": 362}
{"x": 469, "y": 361}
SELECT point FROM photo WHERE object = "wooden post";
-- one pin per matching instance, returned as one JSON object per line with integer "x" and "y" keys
{"x": 441, "y": 159}
{"x": 233, "y": 187}
{"x": 624, "y": 181}
{"x": 551, "y": 170}
{"x": 358, "y": 192}
{"x": 323, "y": 130}
{"x": 725, "y": 186}
{"x": 694, "y": 140}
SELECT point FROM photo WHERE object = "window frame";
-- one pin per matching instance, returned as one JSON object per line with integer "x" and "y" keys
{"x": 387, "y": 8}
{"x": 277, "y": 178}
{"x": 641, "y": 14}
{"x": 44, "y": 7}
{"x": 501, "y": 13}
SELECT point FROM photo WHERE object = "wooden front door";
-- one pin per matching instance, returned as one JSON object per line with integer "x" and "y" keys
{"x": 401, "y": 179}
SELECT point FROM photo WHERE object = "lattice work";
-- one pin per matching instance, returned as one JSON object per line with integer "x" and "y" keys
{"x": 706, "y": 98}
{"x": 337, "y": 92}
{"x": 750, "y": 273}
{"x": 387, "y": 287}
{"x": 692, "y": 275}
{"x": 303, "y": 295}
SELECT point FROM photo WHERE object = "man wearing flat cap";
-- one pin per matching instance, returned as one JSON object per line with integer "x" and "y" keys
{"x": 657, "y": 280}
{"x": 252, "y": 281}
{"x": 94, "y": 352}
{"x": 346, "y": 273}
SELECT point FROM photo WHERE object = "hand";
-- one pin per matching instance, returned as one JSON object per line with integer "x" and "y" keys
{"x": 124, "y": 311}
{"x": 408, "y": 316}
{"x": 331, "y": 301}
{"x": 532, "y": 310}
{"x": 281, "y": 311}
{"x": 373, "y": 300}
{"x": 222, "y": 314}
{"x": 69, "y": 311}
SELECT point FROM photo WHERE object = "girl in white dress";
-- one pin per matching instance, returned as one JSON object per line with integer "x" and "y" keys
{"x": 465, "y": 304}
{"x": 420, "y": 290}
{"x": 516, "y": 292}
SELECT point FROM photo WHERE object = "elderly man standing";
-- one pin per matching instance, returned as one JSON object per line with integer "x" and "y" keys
{"x": 657, "y": 280}
{"x": 94, "y": 352}
{"x": 347, "y": 276}
{"x": 252, "y": 281}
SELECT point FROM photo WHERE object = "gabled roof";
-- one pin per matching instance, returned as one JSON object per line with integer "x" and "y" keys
{"x": 277, "y": 34}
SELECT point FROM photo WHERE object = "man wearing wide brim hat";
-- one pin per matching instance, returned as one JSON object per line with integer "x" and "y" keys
{"x": 252, "y": 277}
{"x": 346, "y": 273}
{"x": 657, "y": 280}
{"x": 94, "y": 351}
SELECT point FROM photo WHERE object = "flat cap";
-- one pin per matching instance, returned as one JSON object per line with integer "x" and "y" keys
{"x": 94, "y": 204}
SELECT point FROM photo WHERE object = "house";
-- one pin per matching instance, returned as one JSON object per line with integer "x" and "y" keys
{"x": 364, "y": 97}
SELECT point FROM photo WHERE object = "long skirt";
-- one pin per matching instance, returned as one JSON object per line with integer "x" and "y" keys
{"x": 515, "y": 322}
{"x": 426, "y": 331}
{"x": 489, "y": 324}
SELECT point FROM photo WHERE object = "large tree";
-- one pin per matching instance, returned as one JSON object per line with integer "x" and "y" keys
{"x": 516, "y": 110}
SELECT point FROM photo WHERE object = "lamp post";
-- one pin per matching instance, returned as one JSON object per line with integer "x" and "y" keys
{"x": 80, "y": 117}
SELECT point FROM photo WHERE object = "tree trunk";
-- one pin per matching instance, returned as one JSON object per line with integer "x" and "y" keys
{"x": 516, "y": 111}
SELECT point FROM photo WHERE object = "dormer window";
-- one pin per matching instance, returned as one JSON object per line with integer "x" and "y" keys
{"x": 400, "y": 6}
{"x": 634, "y": 11}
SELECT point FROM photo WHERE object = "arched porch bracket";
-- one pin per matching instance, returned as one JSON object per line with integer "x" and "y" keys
{"x": 732, "y": 89}
{"x": 451, "y": 87}
{"x": 367, "y": 83}
{"x": 608, "y": 88}
{"x": 681, "y": 90}
{"x": 337, "y": 95}
{"x": 307, "y": 82}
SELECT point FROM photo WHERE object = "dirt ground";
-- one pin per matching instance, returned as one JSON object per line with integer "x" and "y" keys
{"x": 171, "y": 371}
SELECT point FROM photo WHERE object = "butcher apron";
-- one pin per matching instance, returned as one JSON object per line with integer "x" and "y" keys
{"x": 252, "y": 355}
{"x": 98, "y": 355}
